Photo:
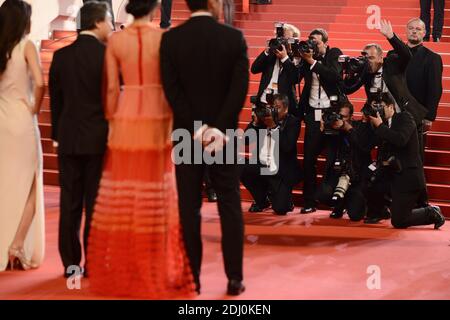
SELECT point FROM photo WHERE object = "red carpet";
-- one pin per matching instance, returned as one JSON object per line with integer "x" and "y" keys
{"x": 292, "y": 257}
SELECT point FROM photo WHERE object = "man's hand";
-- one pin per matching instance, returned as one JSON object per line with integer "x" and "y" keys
{"x": 281, "y": 54}
{"x": 347, "y": 126}
{"x": 376, "y": 121}
{"x": 307, "y": 56}
{"x": 386, "y": 29}
{"x": 427, "y": 125}
{"x": 338, "y": 124}
{"x": 212, "y": 139}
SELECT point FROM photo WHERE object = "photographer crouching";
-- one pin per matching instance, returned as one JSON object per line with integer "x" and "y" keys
{"x": 276, "y": 130}
{"x": 344, "y": 183}
{"x": 399, "y": 167}
{"x": 279, "y": 72}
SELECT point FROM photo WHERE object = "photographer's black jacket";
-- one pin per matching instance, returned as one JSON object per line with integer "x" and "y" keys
{"x": 394, "y": 68}
{"x": 402, "y": 143}
{"x": 424, "y": 79}
{"x": 287, "y": 79}
{"x": 361, "y": 141}
{"x": 330, "y": 77}
{"x": 288, "y": 167}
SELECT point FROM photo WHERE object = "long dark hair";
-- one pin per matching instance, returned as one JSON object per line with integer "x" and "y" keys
{"x": 15, "y": 21}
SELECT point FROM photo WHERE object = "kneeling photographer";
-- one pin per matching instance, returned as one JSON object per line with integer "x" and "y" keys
{"x": 343, "y": 185}
{"x": 279, "y": 72}
{"x": 277, "y": 130}
{"x": 399, "y": 167}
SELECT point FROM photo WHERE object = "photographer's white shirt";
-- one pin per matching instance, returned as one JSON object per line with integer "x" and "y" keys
{"x": 267, "y": 153}
{"x": 273, "y": 83}
{"x": 318, "y": 98}
{"x": 378, "y": 83}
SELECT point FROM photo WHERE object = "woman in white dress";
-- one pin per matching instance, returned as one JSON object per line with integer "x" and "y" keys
{"x": 21, "y": 185}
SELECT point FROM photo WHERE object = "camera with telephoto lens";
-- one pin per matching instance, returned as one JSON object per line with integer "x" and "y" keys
{"x": 341, "y": 188}
{"x": 353, "y": 65}
{"x": 331, "y": 115}
{"x": 378, "y": 170}
{"x": 279, "y": 40}
{"x": 262, "y": 110}
{"x": 306, "y": 46}
{"x": 374, "y": 104}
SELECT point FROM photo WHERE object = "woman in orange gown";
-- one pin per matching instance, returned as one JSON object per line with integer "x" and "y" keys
{"x": 135, "y": 246}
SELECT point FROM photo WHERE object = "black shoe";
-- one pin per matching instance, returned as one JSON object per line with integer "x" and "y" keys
{"x": 235, "y": 288}
{"x": 292, "y": 207}
{"x": 337, "y": 214}
{"x": 437, "y": 217}
{"x": 307, "y": 210}
{"x": 436, "y": 39}
{"x": 257, "y": 208}
{"x": 426, "y": 38}
{"x": 374, "y": 220}
{"x": 212, "y": 196}
{"x": 280, "y": 213}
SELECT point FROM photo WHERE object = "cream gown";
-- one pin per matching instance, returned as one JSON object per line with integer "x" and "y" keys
{"x": 20, "y": 159}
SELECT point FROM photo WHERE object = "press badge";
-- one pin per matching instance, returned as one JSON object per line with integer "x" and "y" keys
{"x": 373, "y": 166}
{"x": 317, "y": 115}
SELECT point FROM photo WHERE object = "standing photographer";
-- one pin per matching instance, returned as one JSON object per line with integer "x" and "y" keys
{"x": 274, "y": 121}
{"x": 279, "y": 73}
{"x": 323, "y": 77}
{"x": 344, "y": 183}
{"x": 401, "y": 167}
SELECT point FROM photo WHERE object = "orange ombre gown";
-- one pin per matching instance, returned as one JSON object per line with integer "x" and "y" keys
{"x": 135, "y": 245}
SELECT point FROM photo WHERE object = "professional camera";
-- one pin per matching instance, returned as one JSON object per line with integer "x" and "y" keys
{"x": 353, "y": 65}
{"x": 261, "y": 110}
{"x": 331, "y": 115}
{"x": 372, "y": 109}
{"x": 390, "y": 166}
{"x": 306, "y": 46}
{"x": 341, "y": 188}
{"x": 279, "y": 40}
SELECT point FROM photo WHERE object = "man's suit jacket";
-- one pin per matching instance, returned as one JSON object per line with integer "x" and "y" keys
{"x": 394, "y": 69}
{"x": 205, "y": 76}
{"x": 424, "y": 79}
{"x": 288, "y": 167}
{"x": 287, "y": 79}
{"x": 330, "y": 77}
{"x": 75, "y": 83}
{"x": 402, "y": 143}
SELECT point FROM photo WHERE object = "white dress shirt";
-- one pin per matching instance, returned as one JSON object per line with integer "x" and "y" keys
{"x": 267, "y": 153}
{"x": 378, "y": 83}
{"x": 273, "y": 83}
{"x": 318, "y": 98}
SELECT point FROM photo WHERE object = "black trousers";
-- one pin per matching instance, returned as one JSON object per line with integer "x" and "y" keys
{"x": 402, "y": 205}
{"x": 207, "y": 180}
{"x": 79, "y": 177}
{"x": 315, "y": 142}
{"x": 263, "y": 186}
{"x": 354, "y": 200}
{"x": 166, "y": 14}
{"x": 225, "y": 181}
{"x": 438, "y": 18}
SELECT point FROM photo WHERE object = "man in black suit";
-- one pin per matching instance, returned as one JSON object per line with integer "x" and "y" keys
{"x": 279, "y": 74}
{"x": 285, "y": 169}
{"x": 406, "y": 180}
{"x": 347, "y": 162}
{"x": 111, "y": 10}
{"x": 323, "y": 76}
{"x": 205, "y": 77}
{"x": 423, "y": 76}
{"x": 79, "y": 126}
{"x": 438, "y": 18}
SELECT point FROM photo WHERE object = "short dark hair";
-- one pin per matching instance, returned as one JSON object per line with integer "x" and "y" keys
{"x": 387, "y": 98}
{"x": 320, "y": 32}
{"x": 195, "y": 5}
{"x": 91, "y": 13}
{"x": 349, "y": 106}
{"x": 140, "y": 8}
{"x": 283, "y": 98}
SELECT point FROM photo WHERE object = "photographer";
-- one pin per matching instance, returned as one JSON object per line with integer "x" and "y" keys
{"x": 279, "y": 72}
{"x": 276, "y": 188}
{"x": 323, "y": 76}
{"x": 400, "y": 166}
{"x": 343, "y": 185}
{"x": 387, "y": 75}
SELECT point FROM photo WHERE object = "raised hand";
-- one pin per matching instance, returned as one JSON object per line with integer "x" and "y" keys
{"x": 386, "y": 29}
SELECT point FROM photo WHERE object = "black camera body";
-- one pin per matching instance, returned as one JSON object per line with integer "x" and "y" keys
{"x": 388, "y": 167}
{"x": 353, "y": 65}
{"x": 279, "y": 40}
{"x": 372, "y": 110}
{"x": 331, "y": 115}
{"x": 262, "y": 110}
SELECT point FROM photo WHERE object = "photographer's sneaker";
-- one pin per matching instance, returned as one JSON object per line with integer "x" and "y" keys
{"x": 437, "y": 217}
{"x": 308, "y": 210}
